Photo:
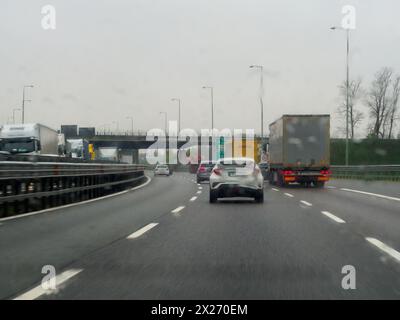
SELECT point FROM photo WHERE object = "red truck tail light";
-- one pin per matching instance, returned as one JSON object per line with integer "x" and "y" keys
{"x": 287, "y": 172}
{"x": 325, "y": 172}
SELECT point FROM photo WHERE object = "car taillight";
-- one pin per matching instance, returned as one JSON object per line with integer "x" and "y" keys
{"x": 217, "y": 171}
{"x": 202, "y": 169}
{"x": 287, "y": 172}
{"x": 325, "y": 172}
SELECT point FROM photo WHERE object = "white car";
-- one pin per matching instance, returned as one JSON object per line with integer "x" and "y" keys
{"x": 236, "y": 177}
{"x": 161, "y": 169}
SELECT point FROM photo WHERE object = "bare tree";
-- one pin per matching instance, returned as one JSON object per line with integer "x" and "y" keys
{"x": 355, "y": 115}
{"x": 378, "y": 102}
{"x": 392, "y": 114}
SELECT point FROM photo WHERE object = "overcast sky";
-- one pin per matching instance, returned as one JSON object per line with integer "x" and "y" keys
{"x": 107, "y": 60}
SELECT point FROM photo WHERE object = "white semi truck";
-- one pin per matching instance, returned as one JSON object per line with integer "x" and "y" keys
{"x": 109, "y": 154}
{"x": 33, "y": 138}
{"x": 78, "y": 148}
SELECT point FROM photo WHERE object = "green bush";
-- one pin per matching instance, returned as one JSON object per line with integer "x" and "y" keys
{"x": 368, "y": 151}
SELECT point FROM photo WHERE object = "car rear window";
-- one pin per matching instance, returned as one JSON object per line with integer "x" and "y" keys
{"x": 208, "y": 165}
{"x": 237, "y": 164}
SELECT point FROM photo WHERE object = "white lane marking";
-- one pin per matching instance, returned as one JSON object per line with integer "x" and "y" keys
{"x": 77, "y": 203}
{"x": 289, "y": 195}
{"x": 333, "y": 217}
{"x": 39, "y": 290}
{"x": 200, "y": 188}
{"x": 371, "y": 194}
{"x": 306, "y": 203}
{"x": 275, "y": 189}
{"x": 390, "y": 251}
{"x": 141, "y": 231}
{"x": 198, "y": 184}
{"x": 198, "y": 192}
{"x": 178, "y": 209}
{"x": 331, "y": 187}
{"x": 193, "y": 199}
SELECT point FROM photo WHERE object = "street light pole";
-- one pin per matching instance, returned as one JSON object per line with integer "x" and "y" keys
{"x": 347, "y": 89}
{"x": 261, "y": 96}
{"x": 23, "y": 101}
{"x": 165, "y": 120}
{"x": 131, "y": 124}
{"x": 116, "y": 125}
{"x": 15, "y": 109}
{"x": 347, "y": 95}
{"x": 212, "y": 105}
{"x": 166, "y": 136}
{"x": 179, "y": 113}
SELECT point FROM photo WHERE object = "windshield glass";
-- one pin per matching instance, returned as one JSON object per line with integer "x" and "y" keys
{"x": 18, "y": 146}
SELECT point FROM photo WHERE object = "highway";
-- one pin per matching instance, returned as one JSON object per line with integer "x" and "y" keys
{"x": 165, "y": 241}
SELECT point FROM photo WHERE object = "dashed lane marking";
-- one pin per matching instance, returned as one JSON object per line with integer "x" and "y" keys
{"x": 385, "y": 248}
{"x": 306, "y": 203}
{"x": 141, "y": 231}
{"x": 333, "y": 217}
{"x": 39, "y": 290}
{"x": 178, "y": 209}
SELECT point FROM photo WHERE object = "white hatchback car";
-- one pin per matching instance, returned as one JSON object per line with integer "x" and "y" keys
{"x": 161, "y": 169}
{"x": 236, "y": 177}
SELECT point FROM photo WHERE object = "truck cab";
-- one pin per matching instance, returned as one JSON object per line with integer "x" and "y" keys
{"x": 28, "y": 139}
{"x": 20, "y": 145}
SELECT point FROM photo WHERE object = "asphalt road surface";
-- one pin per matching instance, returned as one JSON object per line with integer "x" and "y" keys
{"x": 165, "y": 241}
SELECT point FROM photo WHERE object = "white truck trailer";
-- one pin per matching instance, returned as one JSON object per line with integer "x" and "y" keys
{"x": 32, "y": 138}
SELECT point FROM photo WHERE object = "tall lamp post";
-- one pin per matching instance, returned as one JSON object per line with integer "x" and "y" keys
{"x": 347, "y": 88}
{"x": 165, "y": 121}
{"x": 212, "y": 105}
{"x": 116, "y": 126}
{"x": 131, "y": 124}
{"x": 166, "y": 138}
{"x": 23, "y": 101}
{"x": 261, "y": 68}
{"x": 15, "y": 109}
{"x": 179, "y": 113}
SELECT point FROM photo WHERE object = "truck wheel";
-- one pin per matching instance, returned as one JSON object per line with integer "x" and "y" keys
{"x": 213, "y": 196}
{"x": 281, "y": 183}
{"x": 259, "y": 198}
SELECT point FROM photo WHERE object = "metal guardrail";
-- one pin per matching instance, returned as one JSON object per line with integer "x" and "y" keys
{"x": 29, "y": 186}
{"x": 367, "y": 172}
{"x": 46, "y": 158}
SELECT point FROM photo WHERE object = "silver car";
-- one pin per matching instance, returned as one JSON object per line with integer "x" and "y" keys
{"x": 161, "y": 169}
{"x": 204, "y": 171}
{"x": 236, "y": 177}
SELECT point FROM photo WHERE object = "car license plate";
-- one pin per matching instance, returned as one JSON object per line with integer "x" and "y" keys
{"x": 308, "y": 173}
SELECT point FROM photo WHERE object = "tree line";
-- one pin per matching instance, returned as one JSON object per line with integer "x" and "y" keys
{"x": 381, "y": 99}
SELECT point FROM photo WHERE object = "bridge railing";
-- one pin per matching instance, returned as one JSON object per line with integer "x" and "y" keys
{"x": 30, "y": 186}
{"x": 367, "y": 172}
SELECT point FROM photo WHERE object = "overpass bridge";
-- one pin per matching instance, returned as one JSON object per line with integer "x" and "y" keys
{"x": 131, "y": 144}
